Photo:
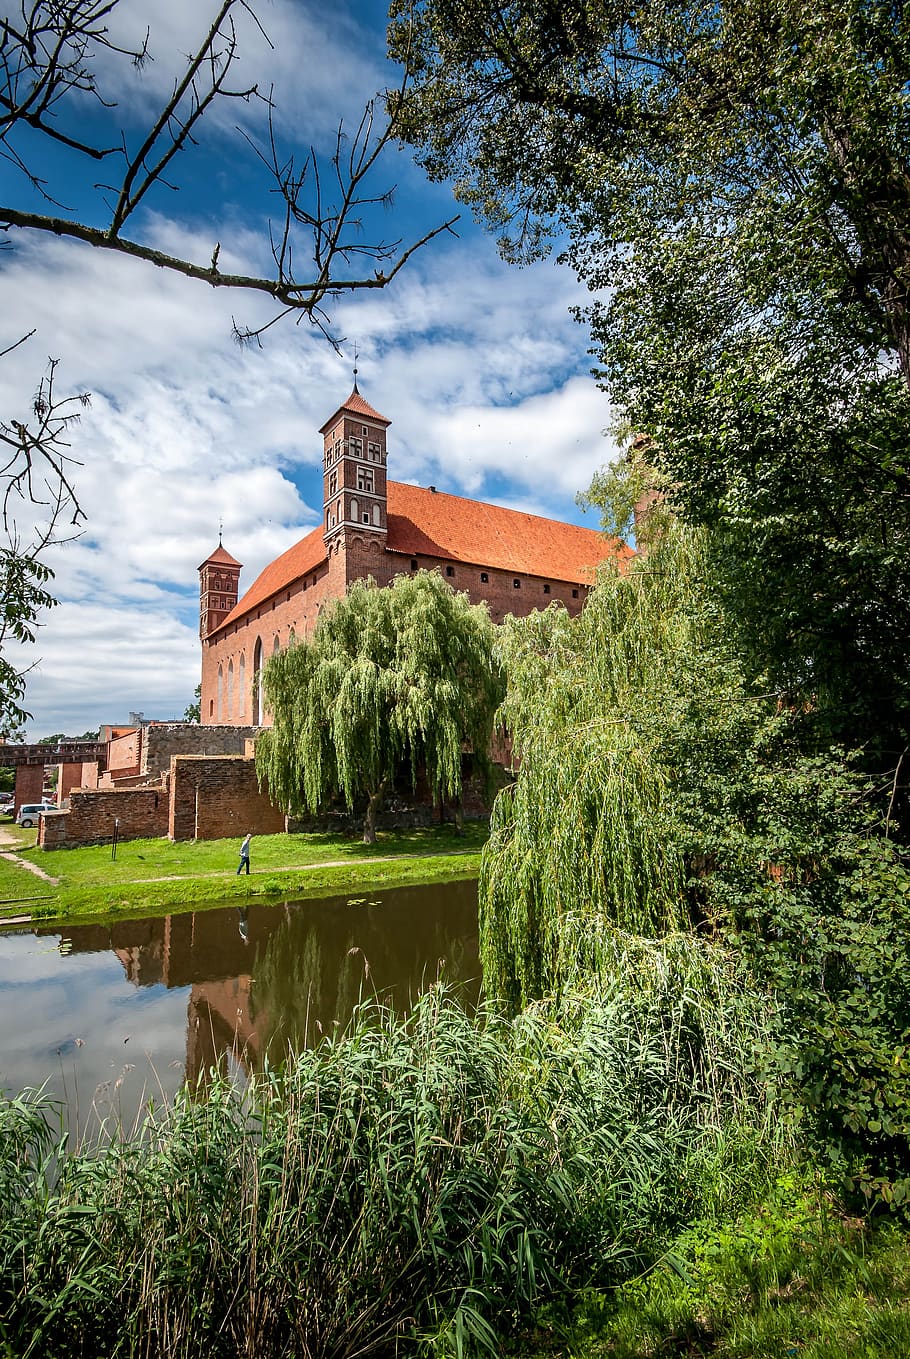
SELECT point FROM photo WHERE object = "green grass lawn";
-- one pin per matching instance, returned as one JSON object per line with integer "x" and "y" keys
{"x": 158, "y": 872}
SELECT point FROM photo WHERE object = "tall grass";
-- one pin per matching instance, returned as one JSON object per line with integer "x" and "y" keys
{"x": 417, "y": 1184}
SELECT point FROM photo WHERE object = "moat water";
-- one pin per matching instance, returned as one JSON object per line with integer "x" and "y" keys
{"x": 110, "y": 1016}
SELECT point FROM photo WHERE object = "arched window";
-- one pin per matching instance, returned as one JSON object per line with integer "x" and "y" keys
{"x": 355, "y": 510}
{"x": 292, "y": 638}
{"x": 241, "y": 687}
{"x": 229, "y": 708}
{"x": 257, "y": 683}
{"x": 220, "y": 692}
{"x": 276, "y": 645}
{"x": 376, "y": 515}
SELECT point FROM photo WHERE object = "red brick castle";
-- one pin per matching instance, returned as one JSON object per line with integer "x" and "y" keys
{"x": 512, "y": 561}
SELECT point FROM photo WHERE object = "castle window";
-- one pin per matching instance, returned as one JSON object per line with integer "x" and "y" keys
{"x": 413, "y": 563}
{"x": 365, "y": 479}
{"x": 333, "y": 483}
{"x": 377, "y": 517}
{"x": 356, "y": 446}
{"x": 516, "y": 584}
{"x": 241, "y": 687}
{"x": 450, "y": 570}
{"x": 374, "y": 452}
{"x": 574, "y": 594}
{"x": 364, "y": 430}
{"x": 355, "y": 509}
{"x": 484, "y": 578}
{"x": 546, "y": 589}
{"x": 365, "y": 516}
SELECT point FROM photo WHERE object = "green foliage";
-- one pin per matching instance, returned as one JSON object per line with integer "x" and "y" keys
{"x": 23, "y": 595}
{"x": 403, "y": 675}
{"x": 789, "y": 1276}
{"x": 732, "y": 183}
{"x": 592, "y": 705}
{"x": 438, "y": 1178}
{"x": 659, "y": 792}
{"x": 191, "y": 712}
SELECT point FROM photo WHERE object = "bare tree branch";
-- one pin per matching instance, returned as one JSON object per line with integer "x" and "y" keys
{"x": 48, "y": 57}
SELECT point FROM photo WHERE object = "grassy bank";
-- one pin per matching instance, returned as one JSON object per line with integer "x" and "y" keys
{"x": 147, "y": 874}
{"x": 792, "y": 1276}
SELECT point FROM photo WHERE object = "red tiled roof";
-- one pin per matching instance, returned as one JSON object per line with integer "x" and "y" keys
{"x": 279, "y": 574}
{"x": 432, "y": 523}
{"x": 221, "y": 558}
{"x": 357, "y": 406}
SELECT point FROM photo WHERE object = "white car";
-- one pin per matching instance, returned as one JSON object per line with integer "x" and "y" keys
{"x": 29, "y": 812}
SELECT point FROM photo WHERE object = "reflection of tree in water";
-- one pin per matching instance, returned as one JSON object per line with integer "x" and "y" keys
{"x": 314, "y": 967}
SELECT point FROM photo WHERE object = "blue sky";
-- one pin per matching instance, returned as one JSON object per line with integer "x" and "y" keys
{"x": 480, "y": 367}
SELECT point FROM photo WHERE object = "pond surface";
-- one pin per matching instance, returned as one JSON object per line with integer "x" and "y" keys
{"x": 112, "y": 1015}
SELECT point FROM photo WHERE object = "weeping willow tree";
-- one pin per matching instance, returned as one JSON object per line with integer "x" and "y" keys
{"x": 398, "y": 676}
{"x": 597, "y": 707}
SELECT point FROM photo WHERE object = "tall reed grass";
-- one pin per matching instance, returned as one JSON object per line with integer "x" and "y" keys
{"x": 416, "y": 1185}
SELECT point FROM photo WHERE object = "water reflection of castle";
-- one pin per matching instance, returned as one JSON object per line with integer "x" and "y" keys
{"x": 270, "y": 977}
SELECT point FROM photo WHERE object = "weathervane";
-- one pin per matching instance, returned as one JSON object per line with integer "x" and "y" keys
{"x": 356, "y": 357}
{"x": 220, "y": 530}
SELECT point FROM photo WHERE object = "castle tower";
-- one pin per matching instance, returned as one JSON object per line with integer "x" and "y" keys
{"x": 354, "y": 474}
{"x": 219, "y": 587}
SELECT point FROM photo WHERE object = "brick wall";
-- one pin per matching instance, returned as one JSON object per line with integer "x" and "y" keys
{"x": 29, "y": 783}
{"x": 162, "y": 740}
{"x": 142, "y": 812}
{"x": 215, "y": 797}
{"x": 354, "y": 556}
{"x": 294, "y": 609}
{"x": 69, "y": 777}
{"x": 123, "y": 754}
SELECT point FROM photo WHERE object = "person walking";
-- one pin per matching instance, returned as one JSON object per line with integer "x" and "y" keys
{"x": 245, "y": 854}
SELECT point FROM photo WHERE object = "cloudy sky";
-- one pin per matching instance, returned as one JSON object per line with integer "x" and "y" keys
{"x": 480, "y": 367}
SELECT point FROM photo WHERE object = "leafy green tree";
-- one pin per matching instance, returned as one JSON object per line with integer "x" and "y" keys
{"x": 732, "y": 180}
{"x": 192, "y": 711}
{"x": 391, "y": 676}
{"x": 663, "y": 803}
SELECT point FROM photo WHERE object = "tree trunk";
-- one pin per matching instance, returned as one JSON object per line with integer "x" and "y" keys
{"x": 459, "y": 815}
{"x": 369, "y": 821}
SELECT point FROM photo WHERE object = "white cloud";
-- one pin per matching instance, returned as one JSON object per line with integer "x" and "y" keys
{"x": 480, "y": 368}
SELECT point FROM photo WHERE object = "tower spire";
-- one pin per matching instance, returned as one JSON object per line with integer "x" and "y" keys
{"x": 356, "y": 357}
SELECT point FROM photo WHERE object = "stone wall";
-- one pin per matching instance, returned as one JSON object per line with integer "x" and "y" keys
{"x": 217, "y": 797}
{"x": 142, "y": 813}
{"x": 161, "y": 741}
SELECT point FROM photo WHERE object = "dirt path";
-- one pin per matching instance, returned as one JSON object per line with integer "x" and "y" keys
{"x": 7, "y": 839}
{"x": 312, "y": 868}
